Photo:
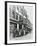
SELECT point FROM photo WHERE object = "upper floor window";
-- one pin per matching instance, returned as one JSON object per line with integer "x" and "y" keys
{"x": 16, "y": 16}
{"x": 13, "y": 14}
{"x": 20, "y": 18}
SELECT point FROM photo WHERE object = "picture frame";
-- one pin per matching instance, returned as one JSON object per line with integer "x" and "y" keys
{"x": 14, "y": 22}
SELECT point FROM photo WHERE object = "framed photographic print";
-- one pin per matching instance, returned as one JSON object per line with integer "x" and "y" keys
{"x": 20, "y": 22}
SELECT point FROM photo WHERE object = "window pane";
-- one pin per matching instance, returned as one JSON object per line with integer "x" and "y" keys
{"x": 20, "y": 26}
{"x": 13, "y": 14}
{"x": 15, "y": 25}
{"x": 20, "y": 18}
{"x": 16, "y": 16}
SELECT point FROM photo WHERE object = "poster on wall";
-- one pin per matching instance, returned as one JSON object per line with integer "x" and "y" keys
{"x": 20, "y": 22}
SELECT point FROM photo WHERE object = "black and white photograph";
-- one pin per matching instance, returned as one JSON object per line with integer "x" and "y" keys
{"x": 20, "y": 22}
